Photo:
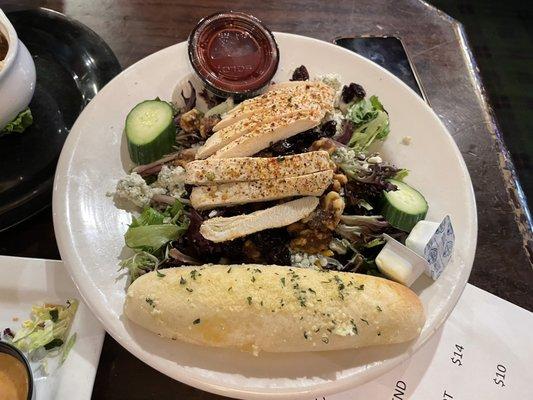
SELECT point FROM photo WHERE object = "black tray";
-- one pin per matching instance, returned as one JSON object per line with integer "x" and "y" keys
{"x": 72, "y": 63}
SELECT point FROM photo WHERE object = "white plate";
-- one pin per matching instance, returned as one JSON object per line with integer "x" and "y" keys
{"x": 89, "y": 228}
{"x": 28, "y": 281}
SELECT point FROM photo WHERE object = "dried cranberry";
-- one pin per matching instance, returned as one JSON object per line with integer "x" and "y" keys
{"x": 301, "y": 142}
{"x": 273, "y": 245}
{"x": 8, "y": 333}
{"x": 194, "y": 244}
{"x": 328, "y": 129}
{"x": 356, "y": 191}
{"x": 300, "y": 74}
{"x": 352, "y": 92}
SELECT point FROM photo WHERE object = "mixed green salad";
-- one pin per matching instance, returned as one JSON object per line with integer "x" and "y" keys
{"x": 368, "y": 197}
{"x": 46, "y": 334}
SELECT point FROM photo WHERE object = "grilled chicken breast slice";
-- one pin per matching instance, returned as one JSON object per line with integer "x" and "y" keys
{"x": 242, "y": 169}
{"x": 297, "y": 97}
{"x": 267, "y": 134}
{"x": 234, "y": 131}
{"x": 220, "y": 229}
{"x": 229, "y": 194}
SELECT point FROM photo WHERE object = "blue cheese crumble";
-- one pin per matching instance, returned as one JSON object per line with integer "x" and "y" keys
{"x": 332, "y": 80}
{"x": 172, "y": 179}
{"x": 134, "y": 188}
{"x": 306, "y": 260}
{"x": 170, "y": 182}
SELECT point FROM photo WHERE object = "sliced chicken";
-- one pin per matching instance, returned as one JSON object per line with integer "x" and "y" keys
{"x": 229, "y": 194}
{"x": 220, "y": 229}
{"x": 225, "y": 136}
{"x": 242, "y": 169}
{"x": 267, "y": 134}
{"x": 273, "y": 90}
{"x": 296, "y": 97}
{"x": 291, "y": 84}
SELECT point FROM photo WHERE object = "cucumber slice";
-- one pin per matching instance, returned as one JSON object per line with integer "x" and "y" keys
{"x": 404, "y": 207}
{"x": 150, "y": 131}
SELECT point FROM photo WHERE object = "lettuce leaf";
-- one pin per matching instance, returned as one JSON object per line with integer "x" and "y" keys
{"x": 153, "y": 229}
{"x": 362, "y": 112}
{"x": 149, "y": 216}
{"x": 376, "y": 129}
{"x": 151, "y": 238}
{"x": 19, "y": 124}
{"x": 139, "y": 264}
{"x": 371, "y": 123}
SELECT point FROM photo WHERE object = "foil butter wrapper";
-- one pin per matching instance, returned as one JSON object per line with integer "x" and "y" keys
{"x": 434, "y": 242}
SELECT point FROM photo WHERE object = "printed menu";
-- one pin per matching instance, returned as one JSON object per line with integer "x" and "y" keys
{"x": 483, "y": 351}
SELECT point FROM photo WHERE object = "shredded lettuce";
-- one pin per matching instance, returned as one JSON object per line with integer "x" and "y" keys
{"x": 67, "y": 347}
{"x": 19, "y": 124}
{"x": 47, "y": 328}
{"x": 371, "y": 123}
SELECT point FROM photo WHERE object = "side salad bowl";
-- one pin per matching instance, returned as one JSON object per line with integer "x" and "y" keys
{"x": 17, "y": 75}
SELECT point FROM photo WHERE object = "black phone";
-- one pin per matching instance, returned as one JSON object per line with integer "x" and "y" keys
{"x": 388, "y": 52}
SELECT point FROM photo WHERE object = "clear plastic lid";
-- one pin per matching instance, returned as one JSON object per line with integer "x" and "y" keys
{"x": 233, "y": 53}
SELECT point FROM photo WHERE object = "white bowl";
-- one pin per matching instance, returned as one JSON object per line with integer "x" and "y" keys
{"x": 17, "y": 77}
{"x": 90, "y": 229}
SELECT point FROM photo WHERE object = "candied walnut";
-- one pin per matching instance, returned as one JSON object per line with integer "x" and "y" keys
{"x": 339, "y": 180}
{"x": 332, "y": 206}
{"x": 207, "y": 124}
{"x": 324, "y": 144}
{"x": 311, "y": 241}
{"x": 251, "y": 251}
{"x": 313, "y": 234}
{"x": 185, "y": 157}
{"x": 190, "y": 121}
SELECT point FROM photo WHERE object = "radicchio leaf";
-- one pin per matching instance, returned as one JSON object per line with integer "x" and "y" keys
{"x": 190, "y": 102}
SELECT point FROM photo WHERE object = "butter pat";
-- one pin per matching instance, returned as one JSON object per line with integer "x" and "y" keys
{"x": 420, "y": 235}
{"x": 399, "y": 263}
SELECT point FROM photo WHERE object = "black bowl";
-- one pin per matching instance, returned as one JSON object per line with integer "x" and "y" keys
{"x": 72, "y": 64}
{"x": 7, "y": 348}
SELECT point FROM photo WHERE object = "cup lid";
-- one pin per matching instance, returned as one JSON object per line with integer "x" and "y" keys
{"x": 233, "y": 53}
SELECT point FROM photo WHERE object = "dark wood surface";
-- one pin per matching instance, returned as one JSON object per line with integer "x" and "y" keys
{"x": 137, "y": 28}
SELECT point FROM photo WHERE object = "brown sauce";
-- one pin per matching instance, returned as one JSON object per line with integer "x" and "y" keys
{"x": 3, "y": 46}
{"x": 13, "y": 378}
{"x": 233, "y": 53}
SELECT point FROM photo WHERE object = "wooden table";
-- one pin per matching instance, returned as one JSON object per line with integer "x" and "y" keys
{"x": 438, "y": 50}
